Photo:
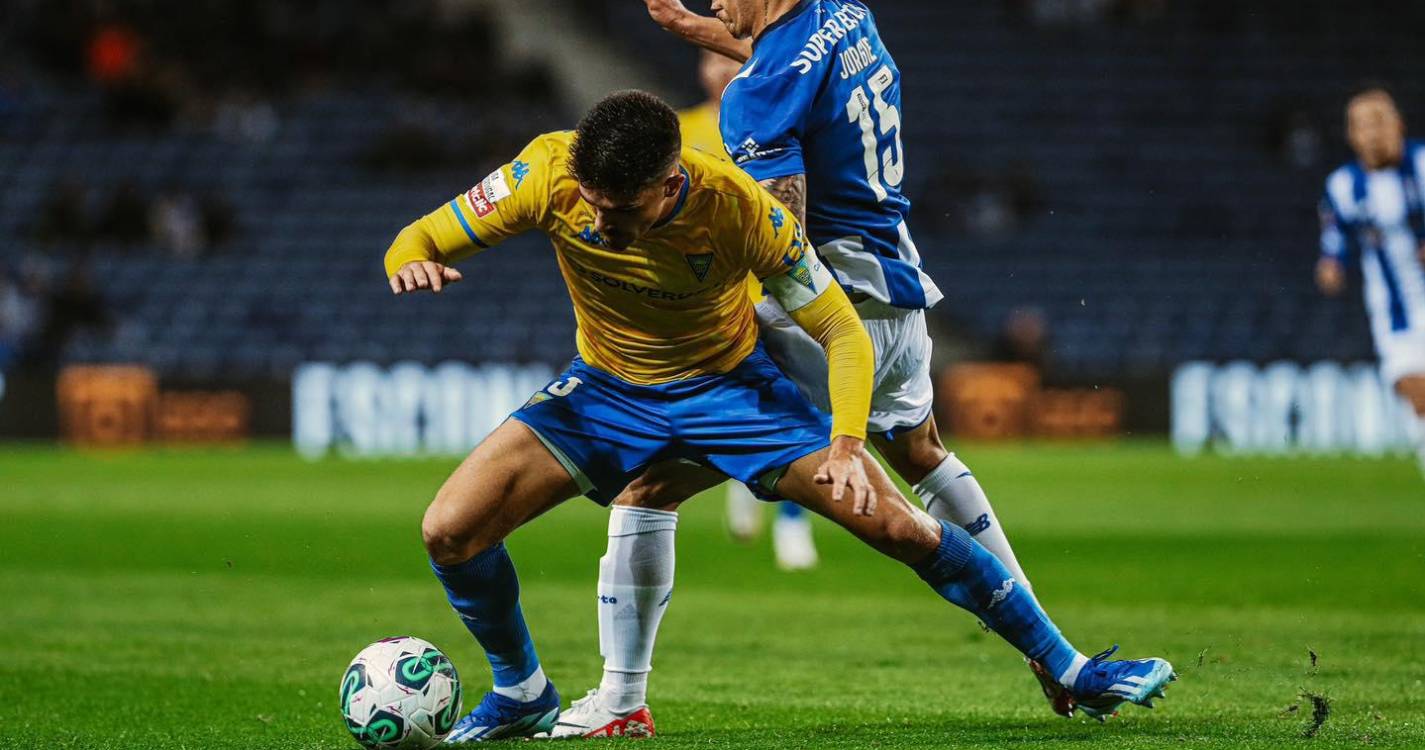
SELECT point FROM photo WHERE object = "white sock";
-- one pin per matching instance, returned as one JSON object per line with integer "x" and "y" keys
{"x": 528, "y": 689}
{"x": 1071, "y": 675}
{"x": 635, "y": 584}
{"x": 951, "y": 493}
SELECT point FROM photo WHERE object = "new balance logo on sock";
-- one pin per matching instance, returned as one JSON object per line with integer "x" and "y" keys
{"x": 979, "y": 524}
{"x": 666, "y": 598}
{"x": 1001, "y": 594}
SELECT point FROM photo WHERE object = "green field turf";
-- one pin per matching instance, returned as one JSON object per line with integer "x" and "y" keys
{"x": 212, "y": 600}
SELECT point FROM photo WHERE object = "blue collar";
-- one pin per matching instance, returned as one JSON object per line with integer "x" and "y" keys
{"x": 802, "y": 7}
{"x": 682, "y": 198}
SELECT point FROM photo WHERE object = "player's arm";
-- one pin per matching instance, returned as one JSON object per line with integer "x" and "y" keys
{"x": 792, "y": 192}
{"x": 705, "y": 31}
{"x": 507, "y": 202}
{"x": 805, "y": 288}
{"x": 419, "y": 256}
{"x": 1335, "y": 248}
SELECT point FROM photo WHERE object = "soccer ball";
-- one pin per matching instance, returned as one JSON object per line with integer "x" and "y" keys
{"x": 400, "y": 693}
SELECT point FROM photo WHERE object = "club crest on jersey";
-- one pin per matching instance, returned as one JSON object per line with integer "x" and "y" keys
{"x": 700, "y": 263}
{"x": 778, "y": 219}
{"x": 482, "y": 198}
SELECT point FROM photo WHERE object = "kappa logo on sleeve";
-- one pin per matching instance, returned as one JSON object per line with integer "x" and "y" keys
{"x": 491, "y": 190}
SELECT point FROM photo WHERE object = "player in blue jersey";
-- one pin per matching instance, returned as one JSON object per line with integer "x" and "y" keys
{"x": 814, "y": 115}
{"x": 1373, "y": 214}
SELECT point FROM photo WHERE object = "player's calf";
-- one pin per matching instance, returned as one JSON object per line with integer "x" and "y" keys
{"x": 508, "y": 479}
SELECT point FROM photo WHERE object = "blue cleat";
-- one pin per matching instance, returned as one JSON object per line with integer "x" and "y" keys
{"x": 1105, "y": 685}
{"x": 499, "y": 718}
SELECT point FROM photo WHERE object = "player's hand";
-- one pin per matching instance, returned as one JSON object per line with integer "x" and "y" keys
{"x": 1330, "y": 276}
{"x": 423, "y": 274}
{"x": 845, "y": 470}
{"x": 667, "y": 13}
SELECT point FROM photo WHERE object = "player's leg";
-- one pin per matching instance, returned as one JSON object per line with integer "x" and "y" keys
{"x": 966, "y": 574}
{"x": 903, "y": 429}
{"x": 792, "y": 541}
{"x": 948, "y": 488}
{"x": 510, "y": 478}
{"x": 744, "y": 512}
{"x": 635, "y": 589}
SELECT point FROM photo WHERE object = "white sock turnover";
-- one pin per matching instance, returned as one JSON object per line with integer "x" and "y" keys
{"x": 635, "y": 585}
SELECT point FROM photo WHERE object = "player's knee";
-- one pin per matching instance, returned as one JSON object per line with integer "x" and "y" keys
{"x": 443, "y": 544}
{"x": 447, "y": 540}
{"x": 908, "y": 537}
{"x": 926, "y": 455}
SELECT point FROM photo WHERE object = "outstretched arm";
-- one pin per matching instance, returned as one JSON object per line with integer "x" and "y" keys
{"x": 704, "y": 31}
{"x": 416, "y": 260}
{"x": 509, "y": 201}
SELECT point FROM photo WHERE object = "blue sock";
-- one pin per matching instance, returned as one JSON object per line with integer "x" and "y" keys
{"x": 789, "y": 509}
{"x": 485, "y": 592}
{"x": 971, "y": 577}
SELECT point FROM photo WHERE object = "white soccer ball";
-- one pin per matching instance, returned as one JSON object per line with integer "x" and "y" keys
{"x": 400, "y": 693}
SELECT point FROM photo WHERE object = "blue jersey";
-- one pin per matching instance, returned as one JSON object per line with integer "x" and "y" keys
{"x": 821, "y": 96}
{"x": 1377, "y": 218}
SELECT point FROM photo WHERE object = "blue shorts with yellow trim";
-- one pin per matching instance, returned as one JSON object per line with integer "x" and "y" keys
{"x": 749, "y": 423}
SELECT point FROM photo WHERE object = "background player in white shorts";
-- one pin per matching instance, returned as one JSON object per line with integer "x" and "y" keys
{"x": 1373, "y": 213}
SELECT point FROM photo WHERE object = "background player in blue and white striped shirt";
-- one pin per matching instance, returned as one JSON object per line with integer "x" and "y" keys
{"x": 815, "y": 116}
{"x": 1373, "y": 213}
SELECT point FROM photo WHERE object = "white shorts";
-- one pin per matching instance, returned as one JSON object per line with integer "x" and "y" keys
{"x": 1401, "y": 353}
{"x": 902, "y": 393}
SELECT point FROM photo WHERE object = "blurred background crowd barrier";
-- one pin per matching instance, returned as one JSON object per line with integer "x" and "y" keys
{"x": 1117, "y": 197}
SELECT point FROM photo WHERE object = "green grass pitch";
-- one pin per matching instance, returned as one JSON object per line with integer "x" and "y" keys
{"x": 211, "y": 599}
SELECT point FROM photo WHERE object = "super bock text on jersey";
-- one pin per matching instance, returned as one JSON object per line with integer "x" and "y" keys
{"x": 820, "y": 96}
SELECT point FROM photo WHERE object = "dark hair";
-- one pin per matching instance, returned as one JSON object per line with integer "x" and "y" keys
{"x": 625, "y": 143}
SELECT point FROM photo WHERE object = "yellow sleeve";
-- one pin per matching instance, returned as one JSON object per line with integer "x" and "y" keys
{"x": 792, "y": 273}
{"x": 511, "y": 200}
{"x": 850, "y": 358}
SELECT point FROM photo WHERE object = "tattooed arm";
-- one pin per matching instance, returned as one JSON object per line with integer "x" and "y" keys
{"x": 792, "y": 191}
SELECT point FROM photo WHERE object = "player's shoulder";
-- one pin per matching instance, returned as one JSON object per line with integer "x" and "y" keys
{"x": 716, "y": 175}
{"x": 802, "y": 44}
{"x": 1415, "y": 152}
{"x": 1340, "y": 183}
{"x": 543, "y": 163}
{"x": 549, "y": 147}
{"x": 729, "y": 198}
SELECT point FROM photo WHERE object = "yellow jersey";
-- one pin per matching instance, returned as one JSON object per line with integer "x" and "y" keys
{"x": 671, "y": 306}
{"x": 700, "y": 130}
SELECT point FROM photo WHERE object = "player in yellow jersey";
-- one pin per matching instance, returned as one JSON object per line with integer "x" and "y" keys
{"x": 654, "y": 243}
{"x": 699, "y": 123}
{"x": 791, "y": 533}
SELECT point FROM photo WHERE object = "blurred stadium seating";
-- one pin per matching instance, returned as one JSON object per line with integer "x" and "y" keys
{"x": 1147, "y": 180}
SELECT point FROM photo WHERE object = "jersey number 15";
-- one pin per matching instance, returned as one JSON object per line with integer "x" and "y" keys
{"x": 884, "y": 169}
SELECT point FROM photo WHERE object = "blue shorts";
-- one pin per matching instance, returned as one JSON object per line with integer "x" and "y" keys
{"x": 749, "y": 423}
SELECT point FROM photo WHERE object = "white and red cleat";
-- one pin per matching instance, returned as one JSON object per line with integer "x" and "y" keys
{"x": 587, "y": 718}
